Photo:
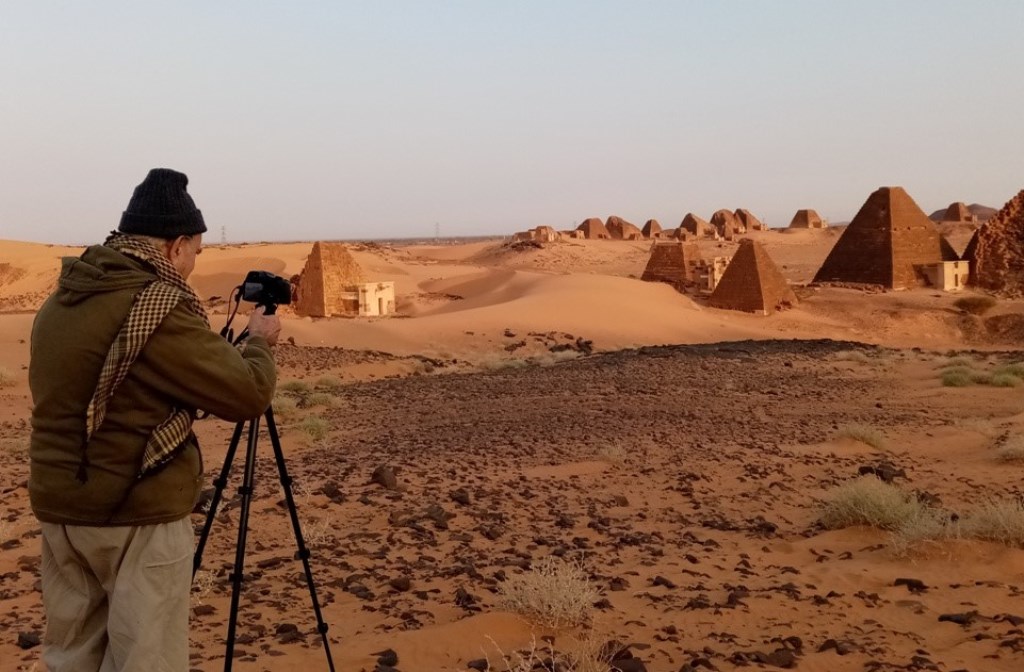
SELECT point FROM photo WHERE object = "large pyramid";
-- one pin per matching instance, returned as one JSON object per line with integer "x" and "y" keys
{"x": 806, "y": 219}
{"x": 620, "y": 229}
{"x": 593, "y": 227}
{"x": 958, "y": 212}
{"x": 748, "y": 220}
{"x": 885, "y": 241}
{"x": 652, "y": 229}
{"x": 674, "y": 263}
{"x": 325, "y": 284}
{"x": 697, "y": 226}
{"x": 752, "y": 282}
{"x": 996, "y": 251}
{"x": 726, "y": 223}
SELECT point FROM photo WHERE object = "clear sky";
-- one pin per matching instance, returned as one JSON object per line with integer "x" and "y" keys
{"x": 305, "y": 120}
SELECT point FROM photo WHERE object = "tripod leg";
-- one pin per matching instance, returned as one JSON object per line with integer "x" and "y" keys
{"x": 303, "y": 552}
{"x": 243, "y": 528}
{"x": 219, "y": 484}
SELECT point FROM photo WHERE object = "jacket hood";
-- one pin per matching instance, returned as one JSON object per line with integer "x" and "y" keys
{"x": 100, "y": 269}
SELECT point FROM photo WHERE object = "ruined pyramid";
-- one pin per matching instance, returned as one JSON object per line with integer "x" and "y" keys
{"x": 620, "y": 229}
{"x": 888, "y": 238}
{"x": 324, "y": 286}
{"x": 673, "y": 263}
{"x": 748, "y": 220}
{"x": 996, "y": 251}
{"x": 697, "y": 226}
{"x": 752, "y": 282}
{"x": 806, "y": 219}
{"x": 592, "y": 228}
{"x": 652, "y": 229}
{"x": 958, "y": 212}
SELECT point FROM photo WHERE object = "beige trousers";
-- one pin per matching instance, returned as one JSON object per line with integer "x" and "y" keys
{"x": 117, "y": 598}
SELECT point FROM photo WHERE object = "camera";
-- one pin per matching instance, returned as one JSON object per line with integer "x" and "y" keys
{"x": 267, "y": 290}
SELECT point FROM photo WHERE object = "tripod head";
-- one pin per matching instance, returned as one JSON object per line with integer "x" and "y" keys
{"x": 262, "y": 288}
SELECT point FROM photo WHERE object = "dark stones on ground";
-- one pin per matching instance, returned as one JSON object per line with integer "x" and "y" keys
{"x": 385, "y": 477}
{"x": 28, "y": 640}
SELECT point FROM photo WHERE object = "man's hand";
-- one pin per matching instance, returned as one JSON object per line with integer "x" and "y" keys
{"x": 267, "y": 326}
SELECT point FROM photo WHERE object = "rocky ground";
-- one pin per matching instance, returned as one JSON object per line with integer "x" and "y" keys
{"x": 684, "y": 480}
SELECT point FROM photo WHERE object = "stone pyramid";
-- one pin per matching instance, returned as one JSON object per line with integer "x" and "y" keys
{"x": 620, "y": 229}
{"x": 695, "y": 225}
{"x": 652, "y": 229}
{"x": 996, "y": 251}
{"x": 325, "y": 284}
{"x": 752, "y": 282}
{"x": 726, "y": 223}
{"x": 592, "y": 227}
{"x": 957, "y": 212}
{"x": 673, "y": 263}
{"x": 748, "y": 220}
{"x": 806, "y": 219}
{"x": 885, "y": 241}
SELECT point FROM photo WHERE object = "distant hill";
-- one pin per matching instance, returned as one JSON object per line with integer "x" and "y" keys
{"x": 983, "y": 212}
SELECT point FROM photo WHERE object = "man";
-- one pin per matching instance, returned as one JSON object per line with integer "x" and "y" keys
{"x": 122, "y": 358}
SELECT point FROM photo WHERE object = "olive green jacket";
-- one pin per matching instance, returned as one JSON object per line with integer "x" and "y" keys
{"x": 183, "y": 365}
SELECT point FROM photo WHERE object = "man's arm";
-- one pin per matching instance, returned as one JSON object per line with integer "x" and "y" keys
{"x": 199, "y": 369}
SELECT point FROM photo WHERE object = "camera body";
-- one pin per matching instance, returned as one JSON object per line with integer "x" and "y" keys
{"x": 267, "y": 290}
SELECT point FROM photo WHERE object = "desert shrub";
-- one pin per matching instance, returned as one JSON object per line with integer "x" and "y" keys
{"x": 957, "y": 362}
{"x": 997, "y": 520}
{"x": 6, "y": 377}
{"x": 497, "y": 363}
{"x": 1012, "y": 369}
{"x": 981, "y": 377}
{"x": 553, "y": 593}
{"x": 319, "y": 399}
{"x": 930, "y": 526}
{"x": 976, "y": 305}
{"x": 855, "y": 356}
{"x": 584, "y": 655}
{"x": 1004, "y": 380}
{"x": 316, "y": 428}
{"x": 862, "y": 433}
{"x": 285, "y": 408}
{"x": 1012, "y": 450}
{"x": 328, "y": 383}
{"x": 202, "y": 585}
{"x": 956, "y": 377}
{"x": 553, "y": 358}
{"x": 869, "y": 501}
{"x": 295, "y": 387}
{"x": 612, "y": 454}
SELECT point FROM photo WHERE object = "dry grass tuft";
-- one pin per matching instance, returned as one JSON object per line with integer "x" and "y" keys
{"x": 295, "y": 387}
{"x": 329, "y": 383}
{"x": 582, "y": 655}
{"x": 855, "y": 356}
{"x": 1012, "y": 449}
{"x": 956, "y": 377}
{"x": 612, "y": 454}
{"x": 553, "y": 593}
{"x": 319, "y": 399}
{"x": 957, "y": 361}
{"x": 499, "y": 363}
{"x": 202, "y": 585}
{"x": 1001, "y": 521}
{"x": 975, "y": 305}
{"x": 285, "y": 408}
{"x": 316, "y": 428}
{"x": 869, "y": 501}
{"x": 6, "y": 377}
{"x": 863, "y": 433}
{"x": 1005, "y": 380}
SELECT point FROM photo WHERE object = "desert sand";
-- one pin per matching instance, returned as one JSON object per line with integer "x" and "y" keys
{"x": 545, "y": 402}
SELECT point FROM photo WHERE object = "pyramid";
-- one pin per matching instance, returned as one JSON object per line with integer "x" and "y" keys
{"x": 996, "y": 251}
{"x": 752, "y": 282}
{"x": 593, "y": 228}
{"x": 748, "y": 220}
{"x": 620, "y": 229}
{"x": 695, "y": 225}
{"x": 652, "y": 229}
{"x": 326, "y": 281}
{"x": 806, "y": 219}
{"x": 885, "y": 241}
{"x": 673, "y": 263}
{"x": 958, "y": 212}
{"x": 726, "y": 223}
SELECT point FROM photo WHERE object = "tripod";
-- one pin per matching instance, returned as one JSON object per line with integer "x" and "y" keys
{"x": 246, "y": 491}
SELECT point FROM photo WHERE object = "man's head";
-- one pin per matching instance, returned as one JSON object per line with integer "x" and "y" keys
{"x": 162, "y": 211}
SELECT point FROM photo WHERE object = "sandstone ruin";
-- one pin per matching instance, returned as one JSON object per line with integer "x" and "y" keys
{"x": 673, "y": 263}
{"x": 593, "y": 228}
{"x": 996, "y": 251}
{"x": 959, "y": 212}
{"x": 748, "y": 220}
{"x": 807, "y": 219}
{"x": 888, "y": 243}
{"x": 332, "y": 283}
{"x": 652, "y": 229}
{"x": 727, "y": 224}
{"x": 752, "y": 283}
{"x": 697, "y": 226}
{"x": 540, "y": 234}
{"x": 620, "y": 229}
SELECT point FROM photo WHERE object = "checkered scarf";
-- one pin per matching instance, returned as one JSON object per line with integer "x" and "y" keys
{"x": 148, "y": 310}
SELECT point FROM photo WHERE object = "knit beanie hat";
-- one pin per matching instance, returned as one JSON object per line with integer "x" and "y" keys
{"x": 162, "y": 208}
